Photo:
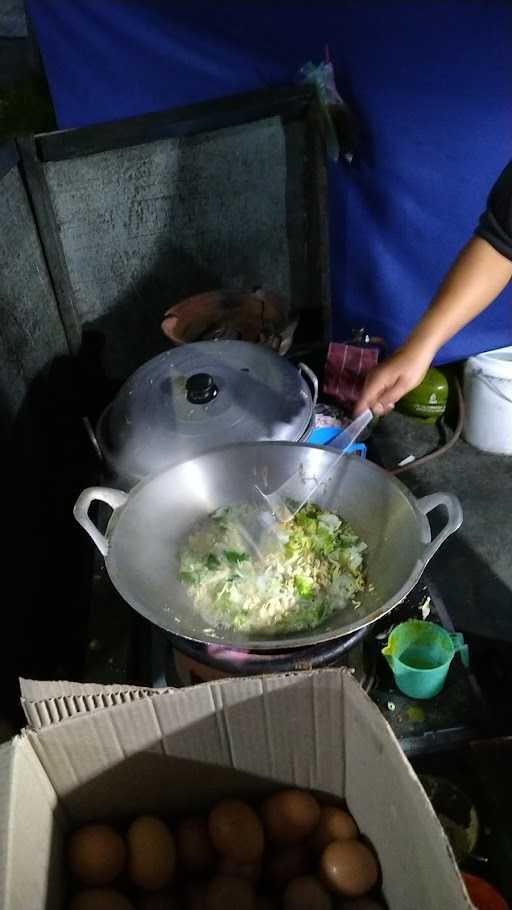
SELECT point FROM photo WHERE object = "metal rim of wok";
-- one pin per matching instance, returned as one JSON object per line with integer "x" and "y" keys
{"x": 417, "y": 509}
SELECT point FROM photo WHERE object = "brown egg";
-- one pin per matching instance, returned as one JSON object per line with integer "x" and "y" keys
{"x": 100, "y": 899}
{"x": 96, "y": 854}
{"x": 287, "y": 863}
{"x": 334, "y": 824}
{"x": 194, "y": 848}
{"x": 290, "y": 816}
{"x": 227, "y": 893}
{"x": 151, "y": 853}
{"x": 235, "y": 870}
{"x": 349, "y": 868}
{"x": 236, "y": 832}
{"x": 306, "y": 893}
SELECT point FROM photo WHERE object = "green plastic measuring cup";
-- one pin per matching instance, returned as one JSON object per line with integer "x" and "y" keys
{"x": 420, "y": 653}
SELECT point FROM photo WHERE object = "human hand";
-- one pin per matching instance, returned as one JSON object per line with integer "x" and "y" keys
{"x": 391, "y": 380}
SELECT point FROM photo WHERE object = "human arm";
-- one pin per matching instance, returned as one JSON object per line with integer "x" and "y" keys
{"x": 480, "y": 272}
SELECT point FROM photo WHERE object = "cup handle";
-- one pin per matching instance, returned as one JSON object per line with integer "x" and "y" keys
{"x": 460, "y": 646}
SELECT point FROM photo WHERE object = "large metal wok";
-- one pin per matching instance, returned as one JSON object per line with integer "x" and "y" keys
{"x": 148, "y": 525}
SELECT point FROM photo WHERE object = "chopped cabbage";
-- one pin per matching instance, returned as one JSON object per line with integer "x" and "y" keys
{"x": 316, "y": 567}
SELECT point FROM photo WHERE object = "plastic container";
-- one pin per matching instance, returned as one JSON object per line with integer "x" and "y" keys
{"x": 324, "y": 436}
{"x": 488, "y": 401}
{"x": 419, "y": 654}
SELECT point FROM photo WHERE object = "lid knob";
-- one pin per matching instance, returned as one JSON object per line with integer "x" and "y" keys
{"x": 200, "y": 388}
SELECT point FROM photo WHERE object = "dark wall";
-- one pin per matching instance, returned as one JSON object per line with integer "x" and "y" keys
{"x": 45, "y": 457}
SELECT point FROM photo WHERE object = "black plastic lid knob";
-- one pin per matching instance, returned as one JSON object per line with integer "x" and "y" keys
{"x": 201, "y": 388}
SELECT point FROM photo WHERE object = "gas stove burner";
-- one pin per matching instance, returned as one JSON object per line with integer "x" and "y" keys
{"x": 192, "y": 663}
{"x": 184, "y": 662}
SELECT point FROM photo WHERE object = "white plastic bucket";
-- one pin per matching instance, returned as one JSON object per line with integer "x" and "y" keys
{"x": 488, "y": 401}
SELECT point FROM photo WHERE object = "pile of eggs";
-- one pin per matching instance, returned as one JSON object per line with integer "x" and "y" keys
{"x": 289, "y": 853}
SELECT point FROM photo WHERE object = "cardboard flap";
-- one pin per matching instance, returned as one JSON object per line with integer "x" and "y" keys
{"x": 7, "y": 757}
{"x": 130, "y": 757}
{"x": 395, "y": 809}
{"x": 39, "y": 690}
{"x": 48, "y": 703}
{"x": 31, "y": 825}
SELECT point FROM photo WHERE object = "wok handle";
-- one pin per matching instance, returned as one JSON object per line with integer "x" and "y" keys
{"x": 312, "y": 379}
{"x": 113, "y": 498}
{"x": 454, "y": 520}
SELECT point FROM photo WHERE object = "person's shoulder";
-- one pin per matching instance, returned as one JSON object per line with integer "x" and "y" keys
{"x": 503, "y": 185}
{"x": 495, "y": 223}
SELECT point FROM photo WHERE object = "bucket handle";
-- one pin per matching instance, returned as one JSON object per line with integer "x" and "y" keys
{"x": 113, "y": 498}
{"x": 460, "y": 646}
{"x": 454, "y": 509}
{"x": 492, "y": 385}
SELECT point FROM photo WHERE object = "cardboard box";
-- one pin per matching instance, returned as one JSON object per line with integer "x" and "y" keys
{"x": 106, "y": 753}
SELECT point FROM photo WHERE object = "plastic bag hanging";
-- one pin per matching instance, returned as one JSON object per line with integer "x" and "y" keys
{"x": 341, "y": 133}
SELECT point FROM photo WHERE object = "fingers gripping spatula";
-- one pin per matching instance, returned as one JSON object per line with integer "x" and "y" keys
{"x": 281, "y": 506}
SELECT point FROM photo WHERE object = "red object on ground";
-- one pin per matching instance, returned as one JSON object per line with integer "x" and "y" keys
{"x": 482, "y": 894}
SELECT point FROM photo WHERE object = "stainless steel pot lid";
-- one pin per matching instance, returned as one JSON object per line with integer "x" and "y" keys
{"x": 200, "y": 396}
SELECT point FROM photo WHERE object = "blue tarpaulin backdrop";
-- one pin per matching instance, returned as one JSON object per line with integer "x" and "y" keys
{"x": 429, "y": 79}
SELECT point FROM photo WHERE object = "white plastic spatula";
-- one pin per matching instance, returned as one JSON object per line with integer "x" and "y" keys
{"x": 276, "y": 506}
{"x": 278, "y": 501}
